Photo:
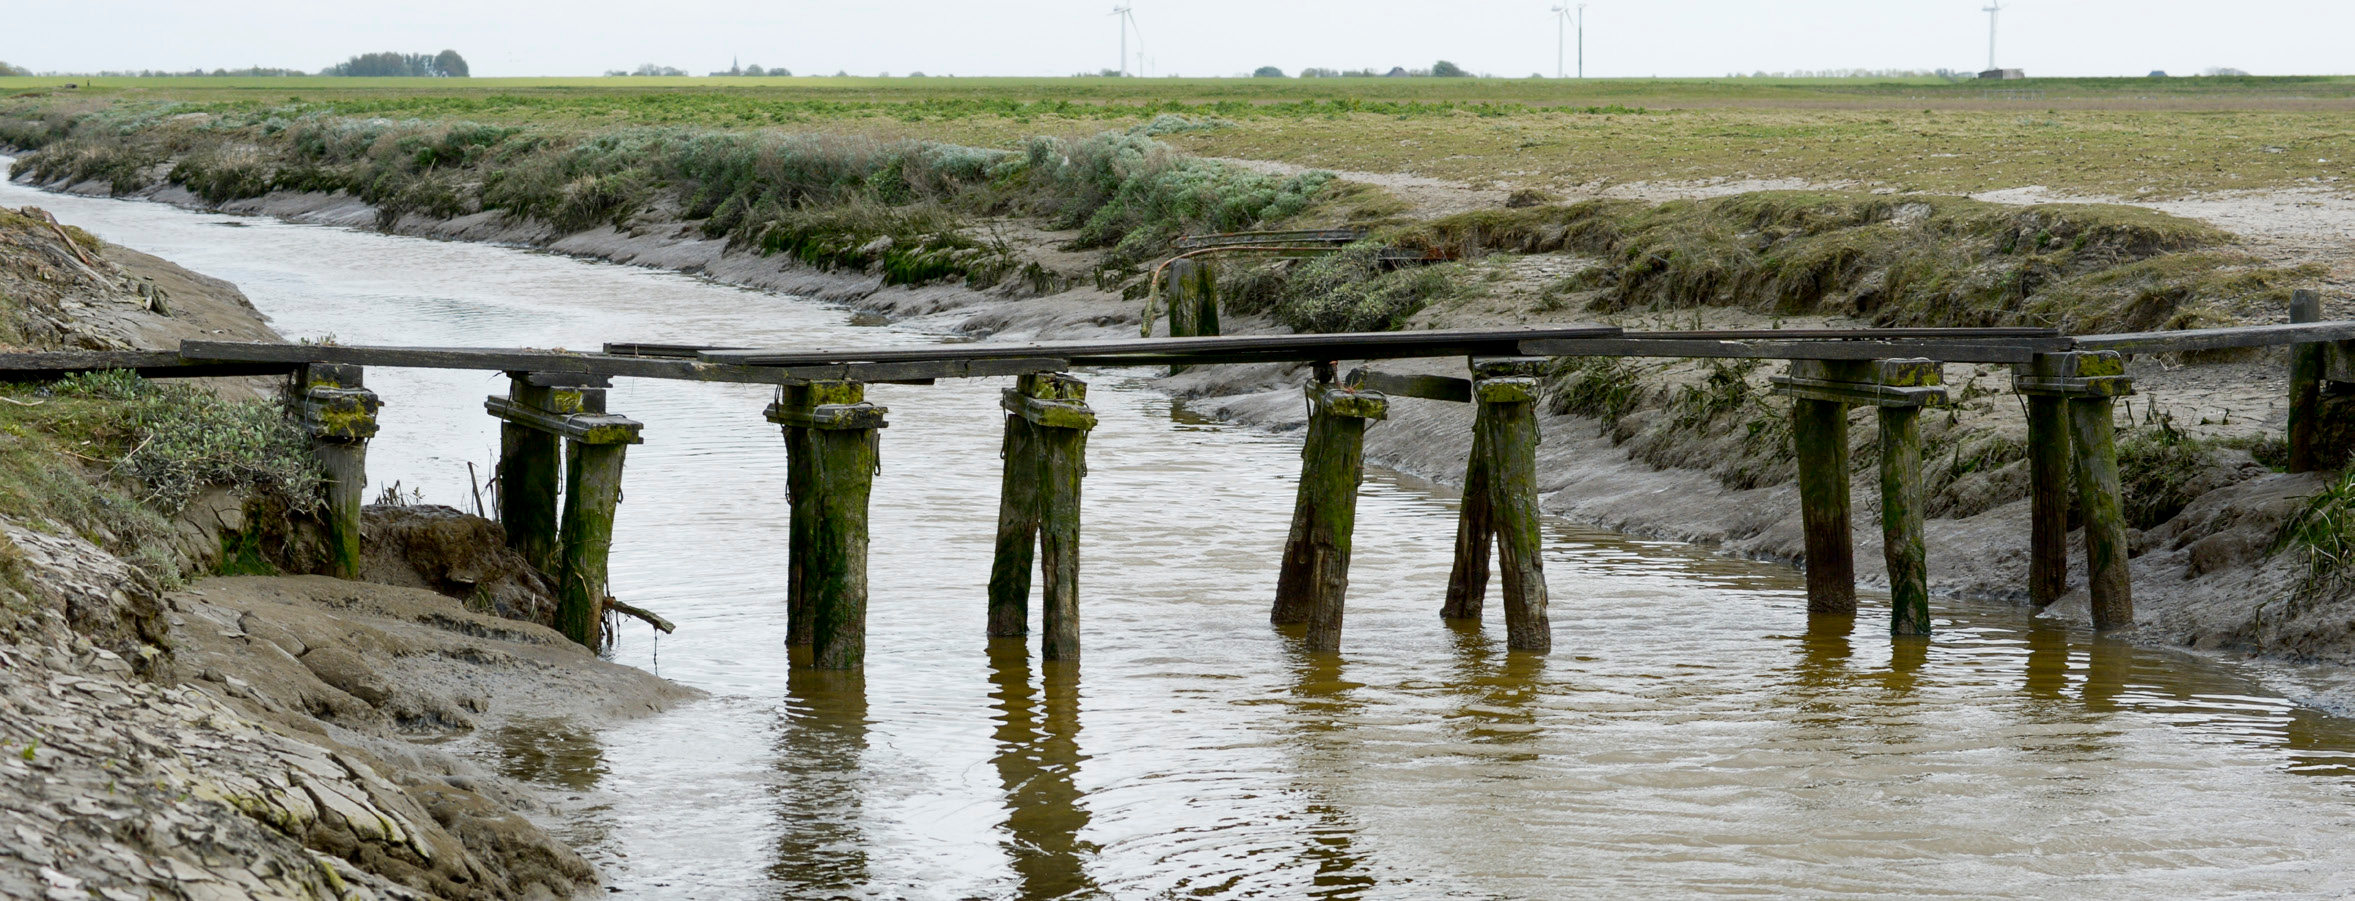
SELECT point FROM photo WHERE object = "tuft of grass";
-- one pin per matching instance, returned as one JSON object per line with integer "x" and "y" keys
{"x": 2325, "y": 531}
{"x": 1350, "y": 290}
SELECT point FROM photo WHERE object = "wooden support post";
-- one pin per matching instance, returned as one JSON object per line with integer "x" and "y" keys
{"x": 1899, "y": 388}
{"x": 799, "y": 515}
{"x": 1819, "y": 435}
{"x": 1193, "y": 301}
{"x": 592, "y": 492}
{"x": 1046, "y": 458}
{"x": 1500, "y": 504}
{"x": 2089, "y": 382}
{"x": 840, "y": 441}
{"x": 1315, "y": 573}
{"x": 2048, "y": 499}
{"x": 340, "y": 415}
{"x": 2306, "y": 370}
{"x": 531, "y": 465}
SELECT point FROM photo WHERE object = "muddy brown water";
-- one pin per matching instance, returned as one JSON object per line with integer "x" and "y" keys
{"x": 1693, "y": 735}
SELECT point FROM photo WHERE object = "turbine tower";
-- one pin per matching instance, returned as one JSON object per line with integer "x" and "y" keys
{"x": 1128, "y": 20}
{"x": 1993, "y": 7}
{"x": 1561, "y": 22}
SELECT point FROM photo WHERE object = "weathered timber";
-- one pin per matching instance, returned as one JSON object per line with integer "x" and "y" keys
{"x": 1880, "y": 383}
{"x": 2220, "y": 338}
{"x": 1819, "y": 435}
{"x": 2307, "y": 363}
{"x": 586, "y": 428}
{"x": 1873, "y": 334}
{"x": 46, "y": 366}
{"x": 1992, "y": 350}
{"x": 339, "y": 413}
{"x": 2075, "y": 374}
{"x": 1045, "y": 450}
{"x": 1427, "y": 387}
{"x": 831, "y": 428}
{"x": 1901, "y": 520}
{"x": 1315, "y": 572}
{"x": 1184, "y": 278}
{"x": 1508, "y": 422}
{"x": 2048, "y": 499}
{"x": 2094, "y": 444}
{"x": 592, "y": 493}
{"x": 793, "y": 411}
{"x": 1301, "y": 348}
{"x": 530, "y": 471}
{"x": 1467, "y": 578}
{"x": 652, "y": 367}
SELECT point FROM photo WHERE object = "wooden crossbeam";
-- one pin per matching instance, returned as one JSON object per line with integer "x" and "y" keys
{"x": 2181, "y": 340}
{"x": 2001, "y": 350}
{"x": 45, "y": 366}
{"x": 1879, "y": 383}
{"x": 1302, "y": 348}
{"x": 529, "y": 360}
{"x": 1427, "y": 387}
{"x": 586, "y": 428}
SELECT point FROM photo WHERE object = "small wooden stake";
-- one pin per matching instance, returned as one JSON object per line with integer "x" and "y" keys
{"x": 1901, "y": 520}
{"x": 2105, "y": 521}
{"x": 2306, "y": 368}
{"x": 2048, "y": 493}
{"x": 592, "y": 488}
{"x": 1315, "y": 573}
{"x": 1819, "y": 431}
{"x": 529, "y": 476}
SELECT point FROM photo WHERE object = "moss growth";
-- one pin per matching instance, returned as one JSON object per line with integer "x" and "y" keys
{"x": 1351, "y": 290}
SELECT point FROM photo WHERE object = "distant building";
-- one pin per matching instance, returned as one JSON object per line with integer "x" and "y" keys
{"x": 2158, "y": 73}
{"x": 2003, "y": 74}
{"x": 1395, "y": 72}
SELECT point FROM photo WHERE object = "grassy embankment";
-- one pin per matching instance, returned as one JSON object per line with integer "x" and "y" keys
{"x": 111, "y": 457}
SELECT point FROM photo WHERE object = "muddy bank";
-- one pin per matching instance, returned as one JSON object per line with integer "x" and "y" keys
{"x": 2200, "y": 581}
{"x": 253, "y": 736}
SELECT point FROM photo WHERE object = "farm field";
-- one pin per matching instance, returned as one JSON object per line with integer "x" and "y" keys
{"x": 2134, "y": 139}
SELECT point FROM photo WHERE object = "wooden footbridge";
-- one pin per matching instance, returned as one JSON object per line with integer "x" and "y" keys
{"x": 562, "y": 451}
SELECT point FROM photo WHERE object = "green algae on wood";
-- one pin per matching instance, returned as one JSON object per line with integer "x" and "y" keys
{"x": 1819, "y": 433}
{"x": 2048, "y": 499}
{"x": 1315, "y": 573}
{"x": 2094, "y": 443}
{"x": 529, "y": 474}
{"x": 592, "y": 486}
{"x": 1901, "y": 520}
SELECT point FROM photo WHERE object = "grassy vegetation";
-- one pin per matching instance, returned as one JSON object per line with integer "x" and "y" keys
{"x": 111, "y": 457}
{"x": 2123, "y": 137}
{"x": 1919, "y": 260}
{"x": 2325, "y": 532}
{"x": 1347, "y": 291}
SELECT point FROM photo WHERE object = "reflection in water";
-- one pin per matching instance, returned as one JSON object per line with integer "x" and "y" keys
{"x": 1323, "y": 705}
{"x": 549, "y": 752}
{"x": 1038, "y": 762}
{"x": 821, "y": 851}
{"x": 1496, "y": 687}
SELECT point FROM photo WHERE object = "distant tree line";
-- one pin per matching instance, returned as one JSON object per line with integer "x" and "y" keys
{"x": 446, "y": 64}
{"x": 1440, "y": 69}
{"x": 752, "y": 71}
{"x": 1948, "y": 74}
{"x": 6, "y": 69}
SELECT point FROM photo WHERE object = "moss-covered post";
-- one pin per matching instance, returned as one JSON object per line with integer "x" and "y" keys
{"x": 1823, "y": 389}
{"x": 595, "y": 445}
{"x": 2090, "y": 383}
{"x": 841, "y": 440}
{"x": 530, "y": 462}
{"x": 1500, "y": 504}
{"x": 796, "y": 398}
{"x": 1047, "y": 425}
{"x": 1315, "y": 572}
{"x": 2306, "y": 369}
{"x": 2048, "y": 498}
{"x": 340, "y": 415}
{"x": 1901, "y": 497}
{"x": 1184, "y": 312}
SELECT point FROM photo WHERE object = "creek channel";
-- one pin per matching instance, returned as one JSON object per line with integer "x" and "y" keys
{"x": 1692, "y": 734}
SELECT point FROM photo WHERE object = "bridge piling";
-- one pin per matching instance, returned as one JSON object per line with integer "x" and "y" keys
{"x": 531, "y": 463}
{"x": 566, "y": 406}
{"x": 1506, "y": 390}
{"x": 1315, "y": 571}
{"x": 2048, "y": 499}
{"x": 2089, "y": 382}
{"x": 1467, "y": 579}
{"x": 1823, "y": 389}
{"x": 1046, "y": 458}
{"x": 840, "y": 441}
{"x": 339, "y": 413}
{"x": 2307, "y": 363}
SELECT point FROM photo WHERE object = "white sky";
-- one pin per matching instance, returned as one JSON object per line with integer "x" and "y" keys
{"x": 1193, "y": 37}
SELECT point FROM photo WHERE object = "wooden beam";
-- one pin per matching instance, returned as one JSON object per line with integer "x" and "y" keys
{"x": 1879, "y": 383}
{"x": 1304, "y": 348}
{"x": 2220, "y": 338}
{"x": 46, "y": 366}
{"x": 2009, "y": 350}
{"x": 527, "y": 360}
{"x": 1427, "y": 387}
{"x": 586, "y": 428}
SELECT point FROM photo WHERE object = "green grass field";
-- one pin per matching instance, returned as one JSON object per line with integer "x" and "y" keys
{"x": 2128, "y": 137}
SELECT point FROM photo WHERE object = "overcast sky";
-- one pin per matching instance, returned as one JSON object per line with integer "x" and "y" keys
{"x": 1195, "y": 37}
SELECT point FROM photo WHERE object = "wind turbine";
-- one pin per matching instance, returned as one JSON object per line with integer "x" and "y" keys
{"x": 1128, "y": 20}
{"x": 1993, "y": 7}
{"x": 1561, "y": 21}
{"x": 1562, "y": 16}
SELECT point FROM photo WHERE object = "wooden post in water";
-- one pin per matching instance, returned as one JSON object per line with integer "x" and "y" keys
{"x": 1899, "y": 389}
{"x": 340, "y": 415}
{"x": 1315, "y": 572}
{"x": 2306, "y": 369}
{"x": 1046, "y": 457}
{"x": 2089, "y": 382}
{"x": 1901, "y": 498}
{"x": 595, "y": 446}
{"x": 2048, "y": 498}
{"x": 1193, "y": 301}
{"x": 530, "y": 464}
{"x": 840, "y": 441}
{"x": 1500, "y": 504}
